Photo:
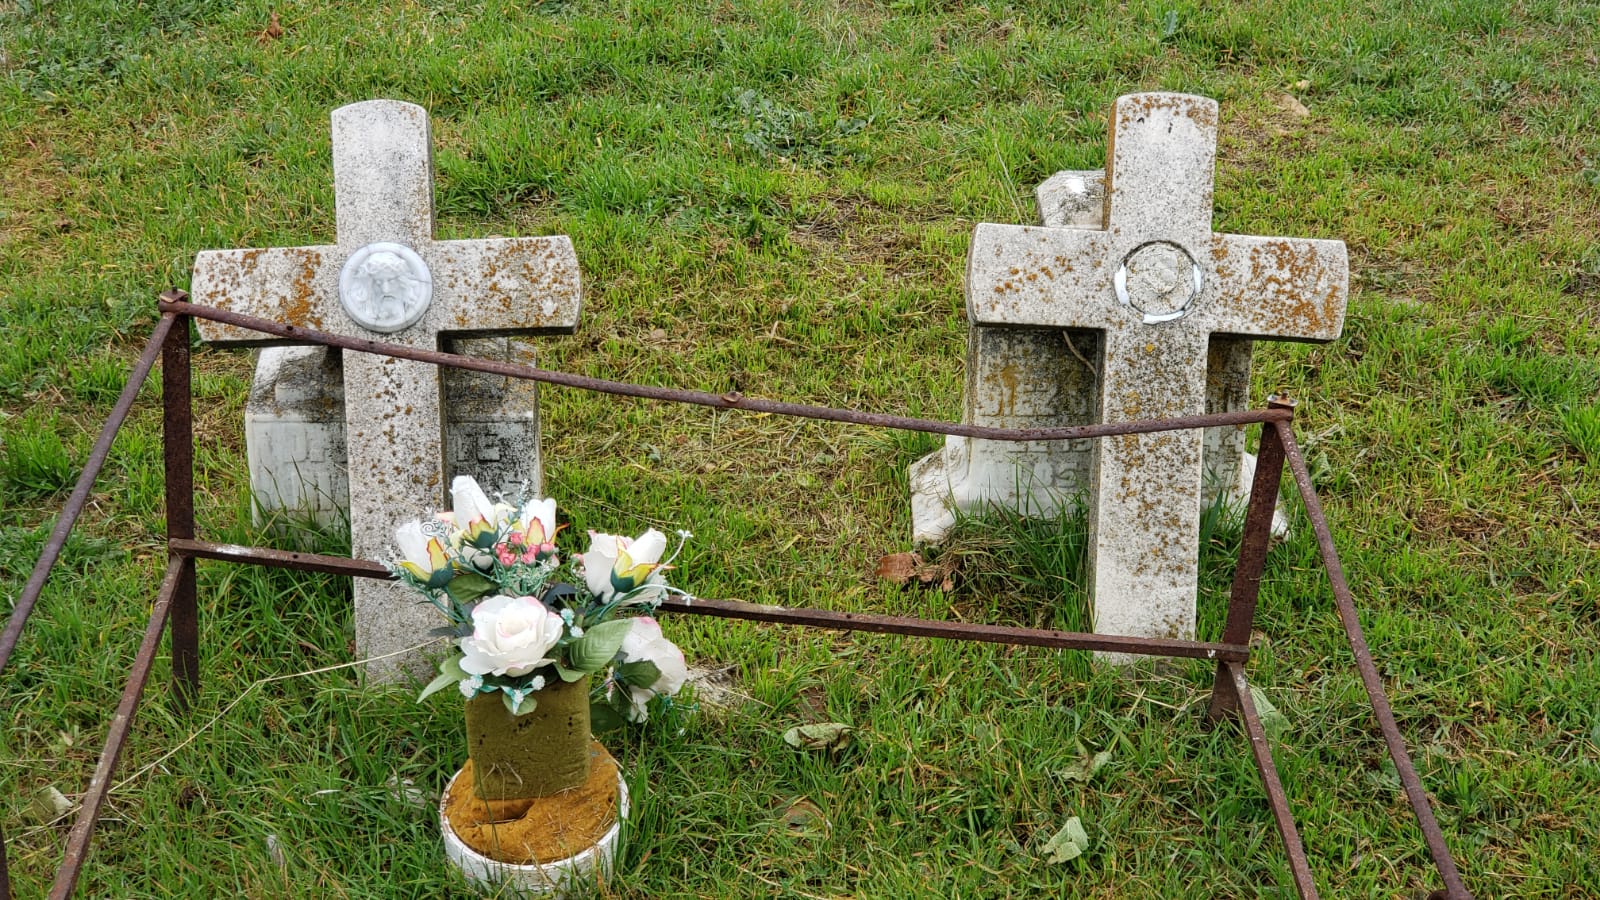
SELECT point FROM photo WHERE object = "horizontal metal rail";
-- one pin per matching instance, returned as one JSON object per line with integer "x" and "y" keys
{"x": 784, "y": 615}
{"x": 295, "y": 334}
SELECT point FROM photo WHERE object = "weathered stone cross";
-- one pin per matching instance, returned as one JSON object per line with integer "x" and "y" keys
{"x": 388, "y": 279}
{"x": 1158, "y": 283}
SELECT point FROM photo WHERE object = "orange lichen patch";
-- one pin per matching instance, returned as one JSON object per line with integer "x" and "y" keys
{"x": 538, "y": 830}
{"x": 302, "y": 306}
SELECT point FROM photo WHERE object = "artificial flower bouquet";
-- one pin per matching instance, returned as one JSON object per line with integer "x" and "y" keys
{"x": 522, "y": 618}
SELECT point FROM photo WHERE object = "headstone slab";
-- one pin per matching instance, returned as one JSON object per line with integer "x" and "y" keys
{"x": 1019, "y": 378}
{"x": 295, "y": 442}
{"x": 1158, "y": 285}
{"x": 294, "y": 438}
{"x": 393, "y": 418}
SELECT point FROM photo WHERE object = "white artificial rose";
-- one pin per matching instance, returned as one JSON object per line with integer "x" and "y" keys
{"x": 615, "y": 564}
{"x": 645, "y": 641}
{"x": 473, "y": 513}
{"x": 510, "y": 636}
{"x": 423, "y": 553}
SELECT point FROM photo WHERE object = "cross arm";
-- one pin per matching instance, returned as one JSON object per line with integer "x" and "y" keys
{"x": 1285, "y": 288}
{"x": 295, "y": 285}
{"x": 1043, "y": 277}
{"x": 505, "y": 286}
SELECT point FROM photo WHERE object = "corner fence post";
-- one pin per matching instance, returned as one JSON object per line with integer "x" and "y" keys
{"x": 177, "y": 429}
{"x": 1454, "y": 888}
{"x": 1252, "y": 557}
{"x": 5, "y": 876}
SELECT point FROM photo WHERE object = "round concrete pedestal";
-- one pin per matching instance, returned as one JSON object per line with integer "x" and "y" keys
{"x": 554, "y": 880}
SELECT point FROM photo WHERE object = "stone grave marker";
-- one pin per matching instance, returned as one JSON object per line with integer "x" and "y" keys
{"x": 1044, "y": 378}
{"x": 387, "y": 279}
{"x": 1157, "y": 284}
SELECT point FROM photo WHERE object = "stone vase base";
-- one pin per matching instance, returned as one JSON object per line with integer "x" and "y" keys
{"x": 556, "y": 879}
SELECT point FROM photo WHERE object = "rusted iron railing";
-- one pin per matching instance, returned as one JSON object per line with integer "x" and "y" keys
{"x": 175, "y": 604}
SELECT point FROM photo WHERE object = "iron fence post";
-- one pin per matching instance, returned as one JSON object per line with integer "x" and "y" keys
{"x": 1252, "y": 558}
{"x": 177, "y": 426}
{"x": 5, "y": 875}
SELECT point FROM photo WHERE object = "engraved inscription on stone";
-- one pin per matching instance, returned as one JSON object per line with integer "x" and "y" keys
{"x": 385, "y": 287}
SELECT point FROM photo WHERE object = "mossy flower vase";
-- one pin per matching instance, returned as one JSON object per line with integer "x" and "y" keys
{"x": 536, "y": 754}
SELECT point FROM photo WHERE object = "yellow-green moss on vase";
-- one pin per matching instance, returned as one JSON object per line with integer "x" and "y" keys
{"x": 535, "y": 754}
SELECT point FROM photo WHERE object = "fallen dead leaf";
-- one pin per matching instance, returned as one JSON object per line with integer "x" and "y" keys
{"x": 824, "y": 736}
{"x": 901, "y": 568}
{"x": 273, "y": 31}
{"x": 1290, "y": 105}
{"x": 801, "y": 817}
{"x": 1068, "y": 844}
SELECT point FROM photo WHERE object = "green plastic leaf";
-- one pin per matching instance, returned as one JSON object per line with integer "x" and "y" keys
{"x": 603, "y": 718}
{"x": 467, "y": 587}
{"x": 529, "y": 703}
{"x": 449, "y": 674}
{"x": 598, "y": 645}
{"x": 1068, "y": 844}
{"x": 639, "y": 673}
{"x": 1272, "y": 721}
{"x": 568, "y": 675}
{"x": 823, "y": 736}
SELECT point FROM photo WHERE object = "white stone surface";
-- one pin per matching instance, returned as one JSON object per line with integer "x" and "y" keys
{"x": 294, "y": 437}
{"x": 1157, "y": 352}
{"x": 383, "y": 178}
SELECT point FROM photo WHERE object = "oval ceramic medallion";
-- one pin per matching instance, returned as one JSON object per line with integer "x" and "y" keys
{"x": 1160, "y": 280}
{"x": 385, "y": 287}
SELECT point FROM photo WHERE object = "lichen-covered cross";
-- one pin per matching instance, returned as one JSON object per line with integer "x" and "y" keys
{"x": 1159, "y": 284}
{"x": 388, "y": 279}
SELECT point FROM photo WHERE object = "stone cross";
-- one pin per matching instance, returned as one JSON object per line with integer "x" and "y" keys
{"x": 1040, "y": 378}
{"x": 387, "y": 279}
{"x": 1157, "y": 283}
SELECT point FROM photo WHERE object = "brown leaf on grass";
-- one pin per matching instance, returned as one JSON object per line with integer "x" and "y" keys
{"x": 901, "y": 568}
{"x": 799, "y": 816}
{"x": 273, "y": 31}
{"x": 1290, "y": 105}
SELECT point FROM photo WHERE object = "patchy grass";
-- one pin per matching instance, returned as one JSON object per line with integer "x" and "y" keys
{"x": 775, "y": 198}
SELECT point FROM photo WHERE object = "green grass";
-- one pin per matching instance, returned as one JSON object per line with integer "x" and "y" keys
{"x": 776, "y": 198}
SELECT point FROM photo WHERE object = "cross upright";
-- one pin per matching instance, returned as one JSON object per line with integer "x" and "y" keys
{"x": 1158, "y": 283}
{"x": 388, "y": 279}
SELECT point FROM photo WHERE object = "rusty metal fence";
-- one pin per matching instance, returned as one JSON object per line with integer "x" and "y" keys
{"x": 175, "y": 604}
